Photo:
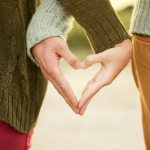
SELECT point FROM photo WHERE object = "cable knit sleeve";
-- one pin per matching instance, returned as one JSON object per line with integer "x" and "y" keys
{"x": 50, "y": 19}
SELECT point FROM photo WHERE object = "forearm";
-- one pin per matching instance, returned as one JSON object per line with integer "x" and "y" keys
{"x": 100, "y": 21}
{"x": 50, "y": 19}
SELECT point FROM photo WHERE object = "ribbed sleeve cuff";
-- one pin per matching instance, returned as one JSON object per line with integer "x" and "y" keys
{"x": 141, "y": 18}
{"x": 100, "y": 21}
{"x": 50, "y": 19}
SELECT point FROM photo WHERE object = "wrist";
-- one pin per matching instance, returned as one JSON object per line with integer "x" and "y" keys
{"x": 126, "y": 45}
{"x": 51, "y": 19}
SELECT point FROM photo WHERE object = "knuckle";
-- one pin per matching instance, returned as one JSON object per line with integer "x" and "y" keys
{"x": 61, "y": 45}
{"x": 49, "y": 70}
{"x": 94, "y": 80}
{"x": 72, "y": 60}
{"x": 88, "y": 59}
{"x": 61, "y": 88}
{"x": 91, "y": 81}
{"x": 109, "y": 81}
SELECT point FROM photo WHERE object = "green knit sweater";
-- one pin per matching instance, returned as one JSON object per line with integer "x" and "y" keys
{"x": 22, "y": 84}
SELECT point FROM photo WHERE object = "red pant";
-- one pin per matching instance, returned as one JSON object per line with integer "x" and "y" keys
{"x": 11, "y": 139}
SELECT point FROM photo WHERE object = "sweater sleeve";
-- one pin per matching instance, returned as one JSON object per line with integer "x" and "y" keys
{"x": 140, "y": 22}
{"x": 100, "y": 22}
{"x": 50, "y": 19}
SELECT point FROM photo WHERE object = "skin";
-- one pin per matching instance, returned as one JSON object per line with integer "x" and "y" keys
{"x": 113, "y": 61}
{"x": 49, "y": 52}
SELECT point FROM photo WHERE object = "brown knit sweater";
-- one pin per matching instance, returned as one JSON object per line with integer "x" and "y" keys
{"x": 100, "y": 22}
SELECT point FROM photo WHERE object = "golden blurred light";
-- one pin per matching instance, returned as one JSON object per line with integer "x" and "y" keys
{"x": 119, "y": 4}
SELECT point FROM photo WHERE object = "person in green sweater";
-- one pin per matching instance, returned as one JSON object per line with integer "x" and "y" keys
{"x": 46, "y": 50}
{"x": 23, "y": 81}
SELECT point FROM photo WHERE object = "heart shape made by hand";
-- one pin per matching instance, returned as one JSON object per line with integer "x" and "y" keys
{"x": 49, "y": 52}
{"x": 112, "y": 63}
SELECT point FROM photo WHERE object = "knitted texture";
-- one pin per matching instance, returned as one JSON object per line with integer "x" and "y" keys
{"x": 141, "y": 18}
{"x": 50, "y": 19}
{"x": 22, "y": 84}
{"x": 100, "y": 22}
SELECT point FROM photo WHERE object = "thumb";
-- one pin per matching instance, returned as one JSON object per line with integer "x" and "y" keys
{"x": 70, "y": 58}
{"x": 92, "y": 59}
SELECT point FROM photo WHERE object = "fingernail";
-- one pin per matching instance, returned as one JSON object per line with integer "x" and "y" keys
{"x": 76, "y": 113}
{"x": 81, "y": 114}
{"x": 77, "y": 65}
{"x": 83, "y": 65}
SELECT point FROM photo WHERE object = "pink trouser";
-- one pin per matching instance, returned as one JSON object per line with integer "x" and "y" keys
{"x": 11, "y": 139}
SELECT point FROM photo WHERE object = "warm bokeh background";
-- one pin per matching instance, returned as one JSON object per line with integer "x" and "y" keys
{"x": 112, "y": 120}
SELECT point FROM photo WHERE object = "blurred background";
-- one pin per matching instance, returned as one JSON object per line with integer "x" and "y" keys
{"x": 112, "y": 120}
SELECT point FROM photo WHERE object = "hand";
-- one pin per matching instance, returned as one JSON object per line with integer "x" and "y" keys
{"x": 48, "y": 54}
{"x": 112, "y": 62}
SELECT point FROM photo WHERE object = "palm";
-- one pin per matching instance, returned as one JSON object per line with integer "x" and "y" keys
{"x": 112, "y": 62}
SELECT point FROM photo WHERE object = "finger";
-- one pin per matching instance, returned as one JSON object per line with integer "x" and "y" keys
{"x": 70, "y": 58}
{"x": 92, "y": 59}
{"x": 57, "y": 75}
{"x": 91, "y": 91}
{"x": 76, "y": 110}
{"x": 94, "y": 79}
{"x": 87, "y": 86}
{"x": 84, "y": 107}
{"x": 63, "y": 84}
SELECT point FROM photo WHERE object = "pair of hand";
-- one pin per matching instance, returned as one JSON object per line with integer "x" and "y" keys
{"x": 49, "y": 52}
